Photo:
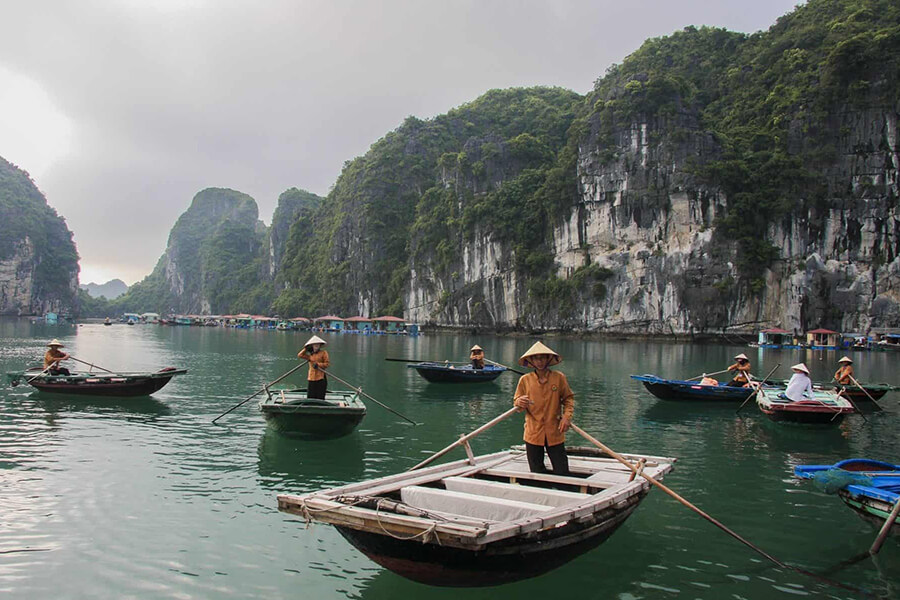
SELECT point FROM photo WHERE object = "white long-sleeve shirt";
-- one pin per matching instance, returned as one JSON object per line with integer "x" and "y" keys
{"x": 799, "y": 388}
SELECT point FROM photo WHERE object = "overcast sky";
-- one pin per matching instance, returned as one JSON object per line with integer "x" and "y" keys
{"x": 122, "y": 110}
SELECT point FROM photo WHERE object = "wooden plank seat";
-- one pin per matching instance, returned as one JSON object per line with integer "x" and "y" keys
{"x": 469, "y": 505}
{"x": 506, "y": 491}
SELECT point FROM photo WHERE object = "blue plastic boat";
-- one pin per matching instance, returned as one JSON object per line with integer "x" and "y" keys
{"x": 872, "y": 489}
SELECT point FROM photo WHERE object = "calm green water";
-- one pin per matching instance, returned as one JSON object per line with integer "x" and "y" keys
{"x": 146, "y": 499}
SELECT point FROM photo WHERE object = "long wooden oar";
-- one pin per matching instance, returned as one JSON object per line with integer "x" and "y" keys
{"x": 504, "y": 366}
{"x": 697, "y": 510}
{"x": 258, "y": 392}
{"x": 91, "y": 365}
{"x": 852, "y": 403}
{"x": 876, "y": 546}
{"x": 427, "y": 361}
{"x": 359, "y": 390}
{"x": 39, "y": 374}
{"x": 756, "y": 390}
{"x": 465, "y": 438}
{"x": 707, "y": 375}
{"x": 865, "y": 391}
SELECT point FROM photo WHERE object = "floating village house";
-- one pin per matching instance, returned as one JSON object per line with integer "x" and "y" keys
{"x": 774, "y": 338}
{"x": 329, "y": 323}
{"x": 389, "y": 324}
{"x": 823, "y": 339}
{"x": 358, "y": 324}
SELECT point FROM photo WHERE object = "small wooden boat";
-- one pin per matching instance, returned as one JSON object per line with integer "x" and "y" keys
{"x": 872, "y": 495}
{"x": 825, "y": 408}
{"x": 486, "y": 520}
{"x": 673, "y": 389}
{"x": 292, "y": 413}
{"x": 875, "y": 390}
{"x": 456, "y": 372}
{"x": 96, "y": 384}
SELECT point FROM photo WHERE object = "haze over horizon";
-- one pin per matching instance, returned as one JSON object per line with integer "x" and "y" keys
{"x": 123, "y": 111}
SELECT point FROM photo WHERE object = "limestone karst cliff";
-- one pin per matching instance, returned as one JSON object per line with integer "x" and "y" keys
{"x": 38, "y": 260}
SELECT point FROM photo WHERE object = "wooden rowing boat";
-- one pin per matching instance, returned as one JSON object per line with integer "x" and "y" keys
{"x": 457, "y": 373}
{"x": 872, "y": 495}
{"x": 292, "y": 413}
{"x": 825, "y": 408}
{"x": 96, "y": 384}
{"x": 674, "y": 389}
{"x": 875, "y": 390}
{"x": 485, "y": 520}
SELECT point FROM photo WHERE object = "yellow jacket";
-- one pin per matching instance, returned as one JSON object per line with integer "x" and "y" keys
{"x": 843, "y": 375}
{"x": 52, "y": 355}
{"x": 551, "y": 401}
{"x": 742, "y": 370}
{"x": 319, "y": 358}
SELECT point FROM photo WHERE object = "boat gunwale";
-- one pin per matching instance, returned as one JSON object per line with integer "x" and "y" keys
{"x": 324, "y": 505}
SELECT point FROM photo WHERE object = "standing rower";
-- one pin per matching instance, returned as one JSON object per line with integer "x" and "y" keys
{"x": 549, "y": 404}
{"x": 316, "y": 381}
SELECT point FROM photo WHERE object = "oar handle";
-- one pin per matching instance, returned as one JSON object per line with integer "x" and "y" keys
{"x": 92, "y": 365}
{"x": 505, "y": 367}
{"x": 707, "y": 375}
{"x": 359, "y": 389}
{"x": 756, "y": 389}
{"x": 462, "y": 440}
{"x": 260, "y": 391}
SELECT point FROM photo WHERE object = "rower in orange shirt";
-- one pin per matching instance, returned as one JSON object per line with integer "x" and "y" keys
{"x": 316, "y": 381}
{"x": 550, "y": 404}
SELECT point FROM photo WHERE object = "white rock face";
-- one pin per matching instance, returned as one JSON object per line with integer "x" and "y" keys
{"x": 642, "y": 217}
{"x": 16, "y": 277}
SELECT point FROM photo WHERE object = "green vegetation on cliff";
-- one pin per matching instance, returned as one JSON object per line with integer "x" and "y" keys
{"x": 25, "y": 215}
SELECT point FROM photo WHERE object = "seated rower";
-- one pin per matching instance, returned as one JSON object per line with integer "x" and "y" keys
{"x": 477, "y": 357}
{"x": 800, "y": 386}
{"x": 844, "y": 375}
{"x": 52, "y": 358}
{"x": 742, "y": 371}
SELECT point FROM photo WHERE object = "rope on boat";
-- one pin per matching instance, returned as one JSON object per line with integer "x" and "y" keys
{"x": 432, "y": 531}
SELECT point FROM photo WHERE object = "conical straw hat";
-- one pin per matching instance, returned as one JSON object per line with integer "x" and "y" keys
{"x": 846, "y": 359}
{"x": 539, "y": 348}
{"x": 740, "y": 356}
{"x": 315, "y": 340}
{"x": 475, "y": 347}
{"x": 800, "y": 367}
{"x": 55, "y": 342}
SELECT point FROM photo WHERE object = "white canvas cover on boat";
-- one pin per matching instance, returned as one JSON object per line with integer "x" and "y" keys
{"x": 469, "y": 505}
{"x": 495, "y": 489}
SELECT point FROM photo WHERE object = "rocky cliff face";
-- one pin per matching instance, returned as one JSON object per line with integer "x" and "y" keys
{"x": 38, "y": 260}
{"x": 660, "y": 233}
{"x": 212, "y": 257}
{"x": 293, "y": 204}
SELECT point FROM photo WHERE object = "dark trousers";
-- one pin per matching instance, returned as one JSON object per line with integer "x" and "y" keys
{"x": 477, "y": 364}
{"x": 736, "y": 383}
{"x": 559, "y": 460}
{"x": 59, "y": 371}
{"x": 316, "y": 389}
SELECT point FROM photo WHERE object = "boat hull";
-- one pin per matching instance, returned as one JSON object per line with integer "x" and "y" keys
{"x": 295, "y": 415}
{"x": 827, "y": 408}
{"x": 437, "y": 373}
{"x": 107, "y": 385}
{"x": 671, "y": 389}
{"x": 495, "y": 564}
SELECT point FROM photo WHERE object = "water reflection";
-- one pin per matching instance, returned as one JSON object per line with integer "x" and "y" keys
{"x": 291, "y": 465}
{"x": 55, "y": 405}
